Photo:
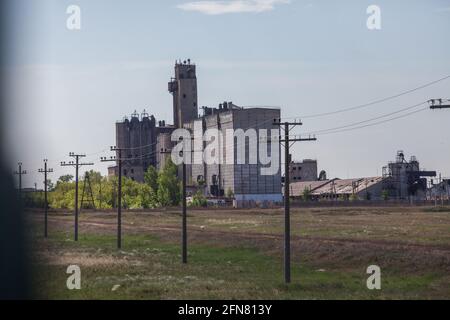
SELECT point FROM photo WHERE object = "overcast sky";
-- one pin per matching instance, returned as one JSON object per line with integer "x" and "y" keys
{"x": 68, "y": 88}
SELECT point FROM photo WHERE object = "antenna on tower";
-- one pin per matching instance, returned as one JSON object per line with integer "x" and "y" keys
{"x": 135, "y": 114}
{"x": 144, "y": 114}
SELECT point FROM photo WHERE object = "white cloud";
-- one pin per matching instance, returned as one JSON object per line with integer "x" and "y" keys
{"x": 231, "y": 6}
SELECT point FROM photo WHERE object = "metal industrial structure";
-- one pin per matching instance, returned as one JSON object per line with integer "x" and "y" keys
{"x": 401, "y": 180}
{"x": 404, "y": 179}
{"x": 439, "y": 191}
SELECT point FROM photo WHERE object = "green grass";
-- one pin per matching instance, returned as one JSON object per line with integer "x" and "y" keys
{"x": 149, "y": 268}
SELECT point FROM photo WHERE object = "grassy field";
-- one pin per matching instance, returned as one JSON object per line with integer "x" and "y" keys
{"x": 237, "y": 254}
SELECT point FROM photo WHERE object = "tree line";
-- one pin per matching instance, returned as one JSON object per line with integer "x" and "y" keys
{"x": 160, "y": 189}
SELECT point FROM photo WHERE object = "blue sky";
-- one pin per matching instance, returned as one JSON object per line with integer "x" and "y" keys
{"x": 67, "y": 88}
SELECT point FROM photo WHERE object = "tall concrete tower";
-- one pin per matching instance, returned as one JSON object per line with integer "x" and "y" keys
{"x": 184, "y": 90}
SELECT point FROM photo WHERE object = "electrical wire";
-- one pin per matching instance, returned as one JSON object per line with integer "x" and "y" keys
{"x": 375, "y": 123}
{"x": 365, "y": 121}
{"x": 342, "y": 110}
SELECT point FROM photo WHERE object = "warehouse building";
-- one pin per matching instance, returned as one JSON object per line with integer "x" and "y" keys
{"x": 370, "y": 188}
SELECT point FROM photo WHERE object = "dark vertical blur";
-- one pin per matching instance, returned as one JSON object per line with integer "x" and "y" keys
{"x": 13, "y": 263}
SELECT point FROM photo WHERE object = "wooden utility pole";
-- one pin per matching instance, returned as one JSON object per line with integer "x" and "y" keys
{"x": 45, "y": 171}
{"x": 118, "y": 159}
{"x": 77, "y": 164}
{"x": 288, "y": 141}
{"x": 20, "y": 172}
{"x": 184, "y": 253}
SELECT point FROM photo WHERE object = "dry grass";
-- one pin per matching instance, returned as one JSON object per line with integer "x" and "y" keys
{"x": 411, "y": 245}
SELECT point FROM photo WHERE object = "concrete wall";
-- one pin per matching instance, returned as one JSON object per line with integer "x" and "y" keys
{"x": 303, "y": 171}
{"x": 138, "y": 138}
{"x": 242, "y": 179}
{"x": 163, "y": 145}
{"x": 248, "y": 179}
{"x": 184, "y": 90}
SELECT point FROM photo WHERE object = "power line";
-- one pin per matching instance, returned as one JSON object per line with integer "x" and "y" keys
{"x": 140, "y": 147}
{"x": 360, "y": 106}
{"x": 374, "y": 124}
{"x": 368, "y": 120}
{"x": 376, "y": 101}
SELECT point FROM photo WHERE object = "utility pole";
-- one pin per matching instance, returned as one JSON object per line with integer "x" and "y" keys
{"x": 20, "y": 172}
{"x": 118, "y": 159}
{"x": 183, "y": 208}
{"x": 77, "y": 164}
{"x": 184, "y": 213}
{"x": 288, "y": 142}
{"x": 439, "y": 104}
{"x": 45, "y": 171}
{"x": 441, "y": 193}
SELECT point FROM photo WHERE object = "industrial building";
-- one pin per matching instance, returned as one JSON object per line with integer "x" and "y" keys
{"x": 405, "y": 179}
{"x": 148, "y": 144}
{"x": 138, "y": 137}
{"x": 303, "y": 171}
{"x": 370, "y": 188}
{"x": 401, "y": 180}
{"x": 244, "y": 181}
{"x": 183, "y": 88}
{"x": 439, "y": 191}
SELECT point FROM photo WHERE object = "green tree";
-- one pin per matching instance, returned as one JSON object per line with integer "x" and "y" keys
{"x": 306, "y": 194}
{"x": 169, "y": 186}
{"x": 65, "y": 179}
{"x": 148, "y": 197}
{"x": 50, "y": 185}
{"x": 131, "y": 191}
{"x": 95, "y": 176}
{"x": 151, "y": 178}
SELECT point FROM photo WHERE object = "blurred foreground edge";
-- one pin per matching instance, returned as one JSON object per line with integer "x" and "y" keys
{"x": 14, "y": 277}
